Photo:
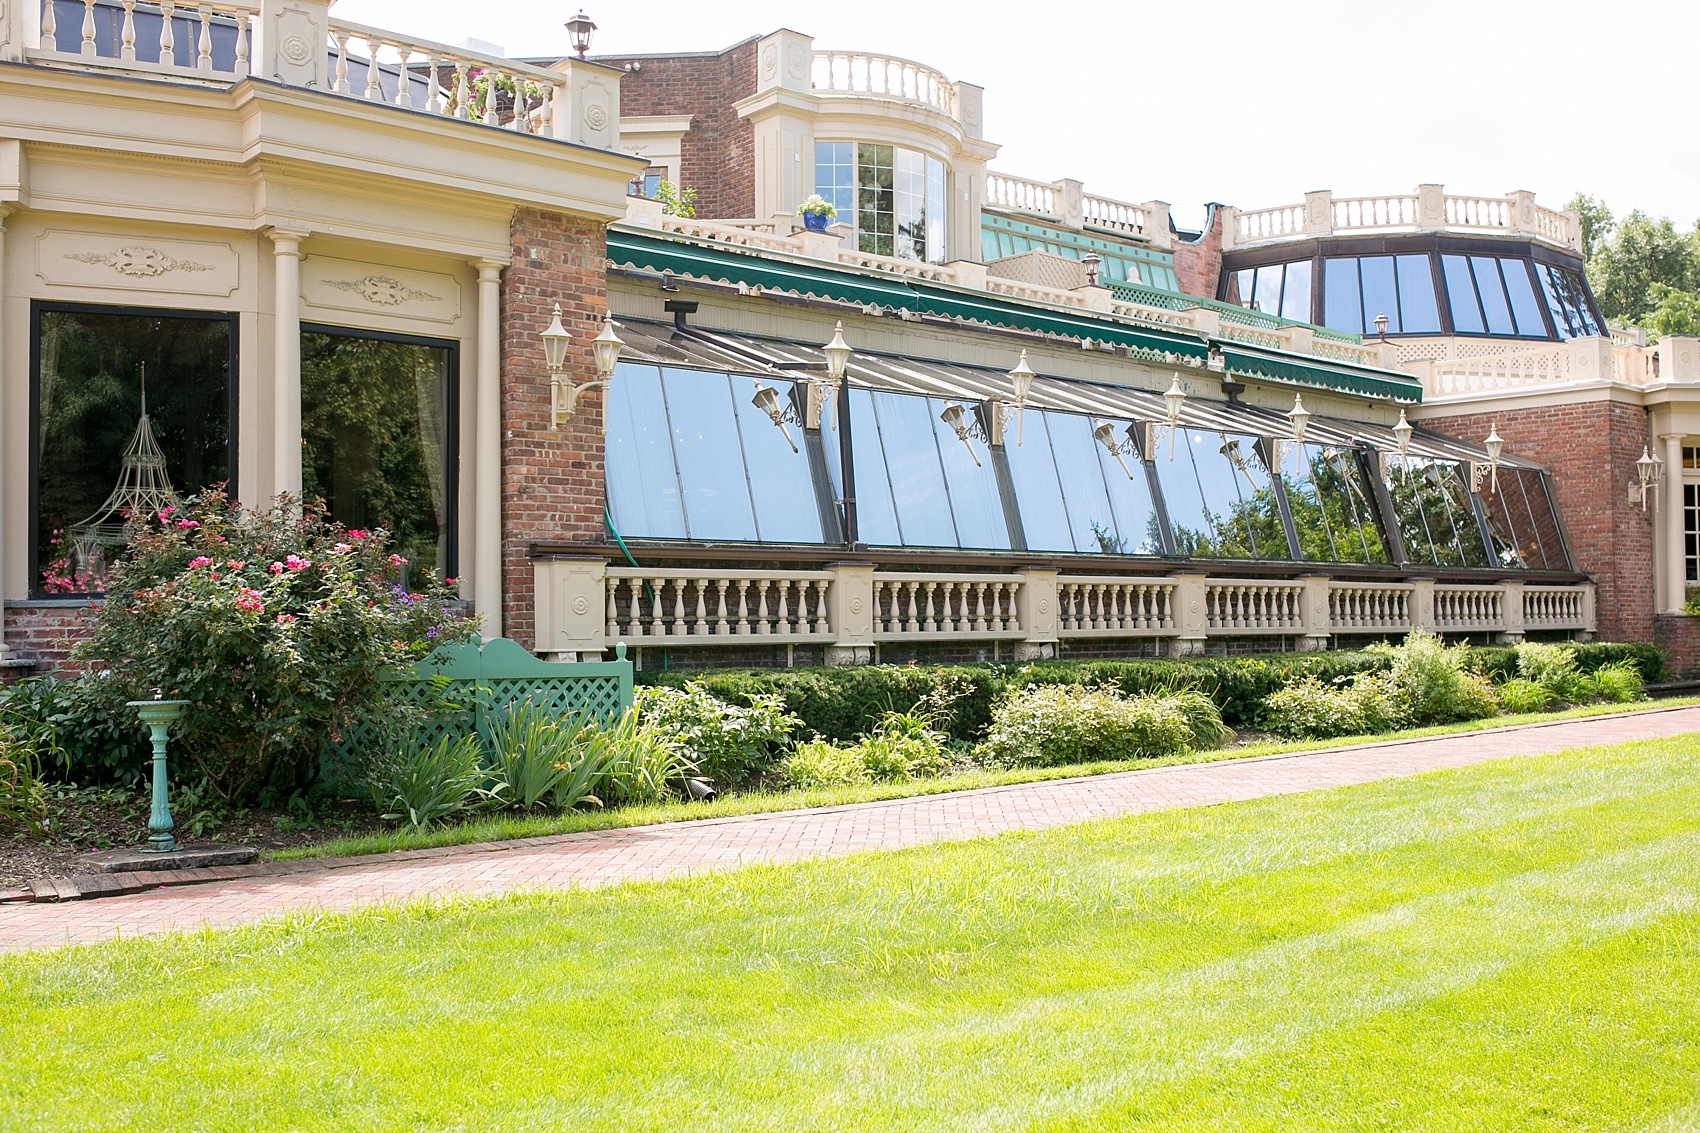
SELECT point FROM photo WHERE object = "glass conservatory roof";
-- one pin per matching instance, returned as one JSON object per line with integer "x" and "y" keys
{"x": 690, "y": 457}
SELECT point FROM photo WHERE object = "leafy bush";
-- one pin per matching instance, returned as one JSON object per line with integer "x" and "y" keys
{"x": 1311, "y": 709}
{"x": 903, "y": 745}
{"x": 1519, "y": 695}
{"x": 536, "y": 758}
{"x": 27, "y": 740}
{"x": 1619, "y": 682}
{"x": 99, "y": 738}
{"x": 1048, "y": 725}
{"x": 822, "y": 763}
{"x": 1499, "y": 662}
{"x": 1431, "y": 684}
{"x": 726, "y": 741}
{"x": 644, "y": 762}
{"x": 425, "y": 783}
{"x": 273, "y": 625}
{"x": 1553, "y": 667}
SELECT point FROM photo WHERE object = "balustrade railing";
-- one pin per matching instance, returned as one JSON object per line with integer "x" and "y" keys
{"x": 960, "y": 606}
{"x": 1268, "y": 224}
{"x": 1555, "y": 607}
{"x": 1118, "y": 215}
{"x": 190, "y": 40}
{"x": 1430, "y": 208}
{"x": 1020, "y": 194}
{"x": 1368, "y": 606}
{"x": 882, "y": 76}
{"x": 1114, "y": 607}
{"x": 713, "y": 608}
{"x": 1592, "y": 359}
{"x": 1468, "y": 608}
{"x": 1233, "y": 606}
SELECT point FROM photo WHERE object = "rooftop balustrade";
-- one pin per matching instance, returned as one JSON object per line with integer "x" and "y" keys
{"x": 1429, "y": 209}
{"x": 869, "y": 75}
{"x": 1067, "y": 203}
{"x": 1620, "y": 359}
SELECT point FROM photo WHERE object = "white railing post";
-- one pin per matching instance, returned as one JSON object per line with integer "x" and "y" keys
{"x": 1319, "y": 213}
{"x": 1157, "y": 223}
{"x": 1511, "y": 611}
{"x": 1431, "y": 207}
{"x": 1037, "y": 603}
{"x": 1230, "y": 226}
{"x": 1422, "y": 603}
{"x": 1589, "y": 625}
{"x": 294, "y": 42}
{"x": 1069, "y": 208}
{"x": 570, "y": 608}
{"x": 1313, "y": 614}
{"x": 1190, "y": 616}
{"x": 21, "y": 29}
{"x": 851, "y": 611}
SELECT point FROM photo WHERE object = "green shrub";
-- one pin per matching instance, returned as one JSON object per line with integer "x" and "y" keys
{"x": 535, "y": 757}
{"x": 1619, "y": 683}
{"x": 903, "y": 745}
{"x": 424, "y": 783}
{"x": 1431, "y": 684}
{"x": 99, "y": 738}
{"x": 1311, "y": 709}
{"x": 1518, "y": 695}
{"x": 822, "y": 763}
{"x": 644, "y": 764}
{"x": 1499, "y": 662}
{"x": 1553, "y": 667}
{"x": 1049, "y": 725}
{"x": 727, "y": 742}
{"x": 274, "y": 627}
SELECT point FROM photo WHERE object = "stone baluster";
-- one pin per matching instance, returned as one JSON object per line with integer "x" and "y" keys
{"x": 403, "y": 91}
{"x": 49, "y": 27}
{"x": 374, "y": 87}
{"x": 762, "y": 623}
{"x": 88, "y": 48}
{"x": 679, "y": 627}
{"x": 340, "y": 83}
{"x": 613, "y": 618}
{"x": 203, "y": 42}
{"x": 491, "y": 91}
{"x": 127, "y": 35}
{"x": 433, "y": 84}
{"x": 243, "y": 45}
{"x": 721, "y": 626}
{"x": 167, "y": 37}
{"x": 782, "y": 606}
{"x": 463, "y": 90}
{"x": 521, "y": 123}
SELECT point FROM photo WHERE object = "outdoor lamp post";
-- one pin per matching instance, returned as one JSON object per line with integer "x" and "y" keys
{"x": 1381, "y": 326}
{"x": 563, "y": 394}
{"x": 1490, "y": 470}
{"x": 1402, "y": 438}
{"x": 158, "y": 716}
{"x": 1648, "y": 473}
{"x": 1021, "y": 381}
{"x": 1090, "y": 262}
{"x": 1298, "y": 418}
{"x": 1173, "y": 400}
{"x": 579, "y": 28}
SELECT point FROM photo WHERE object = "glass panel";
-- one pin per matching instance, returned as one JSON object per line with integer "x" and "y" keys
{"x": 1525, "y": 308}
{"x": 1562, "y": 320}
{"x": 1189, "y": 519}
{"x": 1239, "y": 287}
{"x": 1543, "y": 523}
{"x": 1330, "y": 504}
{"x": 713, "y": 484}
{"x": 1038, "y": 490}
{"x": 1433, "y": 512}
{"x": 875, "y": 200}
{"x": 1461, "y": 295}
{"x": 1452, "y": 479}
{"x": 1508, "y": 523}
{"x": 912, "y": 463}
{"x": 910, "y": 179}
{"x": 1295, "y": 295}
{"x": 1381, "y": 297}
{"x": 1691, "y": 529}
{"x": 90, "y": 404}
{"x": 1417, "y": 311}
{"x": 1085, "y": 493}
{"x": 1137, "y": 532}
{"x": 974, "y": 498}
{"x": 1342, "y": 306}
{"x": 1266, "y": 296}
{"x": 375, "y": 439}
{"x": 643, "y": 483}
{"x": 780, "y": 482}
{"x": 1240, "y": 513}
{"x": 835, "y": 178}
{"x": 936, "y": 224}
{"x": 876, "y": 518}
{"x": 1492, "y": 292}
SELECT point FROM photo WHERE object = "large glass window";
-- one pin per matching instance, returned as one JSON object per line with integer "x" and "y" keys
{"x": 1221, "y": 504}
{"x": 1358, "y": 289}
{"x": 104, "y": 447}
{"x": 1431, "y": 504}
{"x": 1274, "y": 289}
{"x": 688, "y": 457}
{"x": 1329, "y": 501}
{"x": 1521, "y": 520}
{"x": 1567, "y": 299}
{"x": 1074, "y": 495}
{"x": 377, "y": 442}
{"x": 893, "y": 197}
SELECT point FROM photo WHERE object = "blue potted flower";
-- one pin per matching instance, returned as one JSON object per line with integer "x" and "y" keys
{"x": 817, "y": 212}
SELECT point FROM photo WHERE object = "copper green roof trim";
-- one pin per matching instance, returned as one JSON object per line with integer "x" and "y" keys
{"x": 1253, "y": 363}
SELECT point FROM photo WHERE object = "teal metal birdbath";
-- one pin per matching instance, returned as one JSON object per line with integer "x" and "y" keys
{"x": 158, "y": 715}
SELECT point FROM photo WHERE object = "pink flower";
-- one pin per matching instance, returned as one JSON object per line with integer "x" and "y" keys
{"x": 341, "y": 549}
{"x": 234, "y": 564}
{"x": 357, "y": 534}
{"x": 275, "y": 568}
{"x": 250, "y": 600}
{"x": 185, "y": 524}
{"x": 199, "y": 561}
{"x": 296, "y": 562}
{"x": 448, "y": 582}
{"x": 397, "y": 561}
{"x": 165, "y": 512}
{"x": 285, "y": 619}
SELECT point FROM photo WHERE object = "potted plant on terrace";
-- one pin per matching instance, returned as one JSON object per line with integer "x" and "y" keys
{"x": 817, "y": 212}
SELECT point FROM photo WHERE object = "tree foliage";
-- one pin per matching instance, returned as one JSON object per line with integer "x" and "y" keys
{"x": 1643, "y": 271}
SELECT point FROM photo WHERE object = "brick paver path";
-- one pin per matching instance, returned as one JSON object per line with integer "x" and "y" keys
{"x": 646, "y": 852}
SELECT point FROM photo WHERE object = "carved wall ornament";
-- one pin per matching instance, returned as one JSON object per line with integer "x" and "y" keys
{"x": 383, "y": 290}
{"x": 296, "y": 49}
{"x": 797, "y": 64}
{"x": 138, "y": 262}
{"x": 581, "y": 604}
{"x": 596, "y": 116}
{"x": 856, "y": 605}
{"x": 769, "y": 61}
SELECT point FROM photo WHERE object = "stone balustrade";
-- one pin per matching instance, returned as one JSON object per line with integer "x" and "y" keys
{"x": 1429, "y": 209}
{"x": 882, "y": 76}
{"x": 852, "y": 610}
{"x": 1068, "y": 204}
{"x": 1578, "y": 361}
{"x": 165, "y": 39}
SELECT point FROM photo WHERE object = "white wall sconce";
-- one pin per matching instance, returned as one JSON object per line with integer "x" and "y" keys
{"x": 1298, "y": 419}
{"x": 1105, "y": 434}
{"x": 767, "y": 400}
{"x": 563, "y": 394}
{"x": 1021, "y": 381}
{"x": 1402, "y": 438}
{"x": 824, "y": 393}
{"x": 1649, "y": 473}
{"x": 956, "y": 420}
{"x": 1488, "y": 471}
{"x": 1173, "y": 401}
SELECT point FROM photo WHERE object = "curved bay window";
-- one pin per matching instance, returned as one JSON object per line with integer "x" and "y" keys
{"x": 378, "y": 438}
{"x": 893, "y": 197}
{"x": 131, "y": 410}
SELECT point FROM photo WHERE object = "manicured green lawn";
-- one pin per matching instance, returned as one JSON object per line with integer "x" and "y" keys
{"x": 1514, "y": 946}
{"x": 501, "y": 827}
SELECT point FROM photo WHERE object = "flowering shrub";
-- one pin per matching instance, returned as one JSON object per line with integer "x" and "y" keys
{"x": 273, "y": 625}
{"x": 726, "y": 742}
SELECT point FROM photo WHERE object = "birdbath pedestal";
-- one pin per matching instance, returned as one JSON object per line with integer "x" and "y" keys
{"x": 158, "y": 715}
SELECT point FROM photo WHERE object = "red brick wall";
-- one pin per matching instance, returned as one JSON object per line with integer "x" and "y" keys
{"x": 1589, "y": 451}
{"x": 552, "y": 487}
{"x": 718, "y": 155}
{"x": 1199, "y": 266}
{"x": 45, "y": 635}
{"x": 1679, "y": 636}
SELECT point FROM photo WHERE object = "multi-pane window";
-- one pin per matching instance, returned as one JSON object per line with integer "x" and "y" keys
{"x": 132, "y": 408}
{"x": 1521, "y": 522}
{"x": 1358, "y": 289}
{"x": 1074, "y": 494}
{"x": 1002, "y": 236}
{"x": 1691, "y": 530}
{"x": 1567, "y": 300}
{"x": 378, "y": 438}
{"x": 1220, "y": 499}
{"x": 894, "y": 198}
{"x": 1274, "y": 289}
{"x": 1329, "y": 500}
{"x": 1491, "y": 295}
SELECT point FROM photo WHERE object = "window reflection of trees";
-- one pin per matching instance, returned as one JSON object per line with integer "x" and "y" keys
{"x": 1331, "y": 511}
{"x": 1432, "y": 508}
{"x": 1241, "y": 519}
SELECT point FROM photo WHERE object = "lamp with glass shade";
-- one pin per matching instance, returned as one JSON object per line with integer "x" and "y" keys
{"x": 1402, "y": 438}
{"x": 579, "y": 29}
{"x": 564, "y": 394}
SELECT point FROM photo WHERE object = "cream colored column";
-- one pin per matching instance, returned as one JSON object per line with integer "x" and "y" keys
{"x": 286, "y": 363}
{"x": 487, "y": 476}
{"x": 1676, "y": 565}
{"x": 4, "y": 651}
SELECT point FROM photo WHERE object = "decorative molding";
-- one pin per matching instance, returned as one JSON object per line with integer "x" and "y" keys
{"x": 376, "y": 288}
{"x": 92, "y": 259}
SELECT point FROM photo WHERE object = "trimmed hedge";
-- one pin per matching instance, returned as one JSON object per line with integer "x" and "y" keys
{"x": 842, "y": 703}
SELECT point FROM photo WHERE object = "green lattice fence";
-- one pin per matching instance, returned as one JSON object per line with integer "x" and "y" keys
{"x": 490, "y": 678}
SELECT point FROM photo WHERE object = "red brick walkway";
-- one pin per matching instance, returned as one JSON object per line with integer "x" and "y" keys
{"x": 647, "y": 852}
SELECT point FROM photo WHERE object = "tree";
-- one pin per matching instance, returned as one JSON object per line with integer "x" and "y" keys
{"x": 1641, "y": 252}
{"x": 1673, "y": 311}
{"x": 1597, "y": 222}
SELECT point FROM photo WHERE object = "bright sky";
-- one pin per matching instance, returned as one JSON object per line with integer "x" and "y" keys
{"x": 1246, "y": 102}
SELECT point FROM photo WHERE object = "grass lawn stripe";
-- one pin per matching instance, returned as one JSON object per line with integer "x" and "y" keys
{"x": 1508, "y": 946}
